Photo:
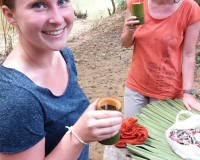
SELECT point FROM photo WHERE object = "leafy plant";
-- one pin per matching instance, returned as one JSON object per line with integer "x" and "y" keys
{"x": 157, "y": 118}
{"x": 121, "y": 4}
{"x": 198, "y": 58}
{"x": 8, "y": 34}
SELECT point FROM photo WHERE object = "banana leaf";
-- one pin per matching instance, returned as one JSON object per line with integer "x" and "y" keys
{"x": 157, "y": 118}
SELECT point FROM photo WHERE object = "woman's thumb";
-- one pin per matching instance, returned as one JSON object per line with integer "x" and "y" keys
{"x": 93, "y": 105}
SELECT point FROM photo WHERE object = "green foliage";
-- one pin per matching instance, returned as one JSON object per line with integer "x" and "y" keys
{"x": 198, "y": 58}
{"x": 121, "y": 4}
{"x": 8, "y": 34}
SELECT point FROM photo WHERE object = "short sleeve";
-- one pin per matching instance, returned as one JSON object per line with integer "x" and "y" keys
{"x": 192, "y": 12}
{"x": 21, "y": 119}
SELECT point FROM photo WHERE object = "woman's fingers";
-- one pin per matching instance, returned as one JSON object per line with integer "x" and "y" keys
{"x": 106, "y": 128}
{"x": 104, "y": 133}
{"x": 108, "y": 122}
{"x": 109, "y": 130}
{"x": 190, "y": 102}
{"x": 96, "y": 125}
{"x": 195, "y": 105}
{"x": 132, "y": 21}
{"x": 101, "y": 114}
{"x": 187, "y": 106}
{"x": 106, "y": 136}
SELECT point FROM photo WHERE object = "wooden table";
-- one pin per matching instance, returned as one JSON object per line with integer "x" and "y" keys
{"x": 113, "y": 153}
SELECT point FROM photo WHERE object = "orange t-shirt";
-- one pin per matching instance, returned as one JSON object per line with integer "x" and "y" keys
{"x": 156, "y": 68}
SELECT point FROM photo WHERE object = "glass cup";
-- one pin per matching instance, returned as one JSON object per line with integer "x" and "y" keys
{"x": 110, "y": 103}
{"x": 138, "y": 11}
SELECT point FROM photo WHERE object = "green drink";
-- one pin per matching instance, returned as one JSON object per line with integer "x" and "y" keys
{"x": 138, "y": 11}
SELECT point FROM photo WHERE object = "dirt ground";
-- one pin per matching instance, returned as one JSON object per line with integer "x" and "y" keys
{"x": 102, "y": 62}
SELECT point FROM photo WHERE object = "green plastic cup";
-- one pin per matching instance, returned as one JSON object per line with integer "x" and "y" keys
{"x": 138, "y": 11}
{"x": 110, "y": 103}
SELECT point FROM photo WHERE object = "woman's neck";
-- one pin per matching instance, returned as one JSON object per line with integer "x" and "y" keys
{"x": 22, "y": 59}
{"x": 161, "y": 9}
{"x": 37, "y": 57}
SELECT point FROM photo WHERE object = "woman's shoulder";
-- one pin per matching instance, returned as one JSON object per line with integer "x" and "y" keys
{"x": 66, "y": 51}
{"x": 20, "y": 114}
{"x": 191, "y": 4}
{"x": 14, "y": 77}
{"x": 16, "y": 97}
{"x": 15, "y": 87}
{"x": 191, "y": 11}
{"x": 67, "y": 54}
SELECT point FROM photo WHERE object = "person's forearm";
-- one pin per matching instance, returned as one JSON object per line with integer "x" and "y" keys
{"x": 69, "y": 148}
{"x": 127, "y": 37}
{"x": 189, "y": 50}
{"x": 188, "y": 68}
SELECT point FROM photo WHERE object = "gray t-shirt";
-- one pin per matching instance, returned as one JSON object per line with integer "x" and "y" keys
{"x": 28, "y": 112}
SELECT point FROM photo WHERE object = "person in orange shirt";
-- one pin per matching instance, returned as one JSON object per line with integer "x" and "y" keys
{"x": 163, "y": 60}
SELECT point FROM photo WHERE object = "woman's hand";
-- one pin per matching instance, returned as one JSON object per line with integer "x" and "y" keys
{"x": 131, "y": 22}
{"x": 190, "y": 102}
{"x": 95, "y": 125}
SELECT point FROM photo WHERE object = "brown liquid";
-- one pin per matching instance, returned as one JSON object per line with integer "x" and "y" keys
{"x": 109, "y": 107}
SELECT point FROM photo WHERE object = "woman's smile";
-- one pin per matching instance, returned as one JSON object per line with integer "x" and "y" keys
{"x": 54, "y": 32}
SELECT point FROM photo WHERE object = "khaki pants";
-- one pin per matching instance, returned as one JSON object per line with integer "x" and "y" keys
{"x": 134, "y": 101}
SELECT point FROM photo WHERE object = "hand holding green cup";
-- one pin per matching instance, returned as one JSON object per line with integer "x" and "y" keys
{"x": 110, "y": 103}
{"x": 138, "y": 11}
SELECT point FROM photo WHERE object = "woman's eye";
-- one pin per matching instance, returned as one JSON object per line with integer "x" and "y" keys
{"x": 62, "y": 2}
{"x": 39, "y": 5}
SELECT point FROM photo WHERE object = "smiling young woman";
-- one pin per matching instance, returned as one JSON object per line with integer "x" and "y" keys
{"x": 40, "y": 98}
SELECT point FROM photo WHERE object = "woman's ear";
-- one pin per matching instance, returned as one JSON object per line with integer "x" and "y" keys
{"x": 9, "y": 15}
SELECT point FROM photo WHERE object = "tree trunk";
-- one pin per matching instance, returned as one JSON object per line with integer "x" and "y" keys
{"x": 114, "y": 7}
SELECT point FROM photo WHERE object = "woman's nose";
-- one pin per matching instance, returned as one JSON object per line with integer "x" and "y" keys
{"x": 56, "y": 16}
